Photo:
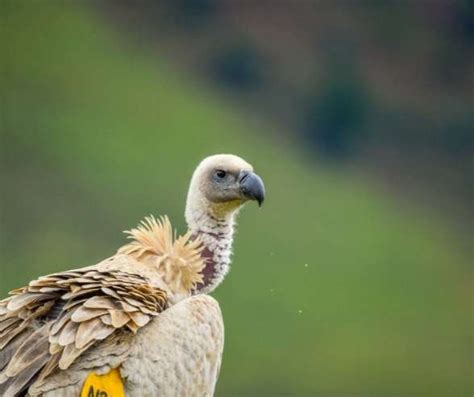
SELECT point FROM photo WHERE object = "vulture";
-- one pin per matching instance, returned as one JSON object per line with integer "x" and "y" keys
{"x": 141, "y": 322}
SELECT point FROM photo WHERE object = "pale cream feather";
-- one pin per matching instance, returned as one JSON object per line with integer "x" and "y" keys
{"x": 177, "y": 260}
{"x": 112, "y": 299}
{"x": 177, "y": 354}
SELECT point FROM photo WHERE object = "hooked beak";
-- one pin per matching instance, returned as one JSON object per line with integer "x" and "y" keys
{"x": 252, "y": 187}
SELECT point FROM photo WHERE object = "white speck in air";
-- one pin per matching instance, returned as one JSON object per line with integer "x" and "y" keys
{"x": 300, "y": 311}
{"x": 305, "y": 265}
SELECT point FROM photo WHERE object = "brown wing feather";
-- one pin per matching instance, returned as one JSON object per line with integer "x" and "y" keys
{"x": 58, "y": 317}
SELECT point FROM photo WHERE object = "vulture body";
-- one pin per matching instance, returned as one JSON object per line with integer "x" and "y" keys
{"x": 139, "y": 323}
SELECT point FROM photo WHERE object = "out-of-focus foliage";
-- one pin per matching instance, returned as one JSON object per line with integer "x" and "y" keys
{"x": 382, "y": 85}
{"x": 336, "y": 289}
{"x": 335, "y": 116}
{"x": 239, "y": 68}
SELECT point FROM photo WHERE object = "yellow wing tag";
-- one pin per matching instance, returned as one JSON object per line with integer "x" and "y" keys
{"x": 108, "y": 385}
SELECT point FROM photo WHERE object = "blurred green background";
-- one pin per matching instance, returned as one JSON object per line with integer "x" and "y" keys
{"x": 355, "y": 279}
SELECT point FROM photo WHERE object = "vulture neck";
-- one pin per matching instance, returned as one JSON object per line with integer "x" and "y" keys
{"x": 215, "y": 229}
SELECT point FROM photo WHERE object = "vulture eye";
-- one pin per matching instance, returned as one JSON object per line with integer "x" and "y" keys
{"x": 220, "y": 175}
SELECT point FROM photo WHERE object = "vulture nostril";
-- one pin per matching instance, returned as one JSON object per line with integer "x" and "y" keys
{"x": 244, "y": 176}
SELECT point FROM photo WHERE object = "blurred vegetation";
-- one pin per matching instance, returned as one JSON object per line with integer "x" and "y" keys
{"x": 238, "y": 67}
{"x": 335, "y": 116}
{"x": 390, "y": 82}
{"x": 336, "y": 289}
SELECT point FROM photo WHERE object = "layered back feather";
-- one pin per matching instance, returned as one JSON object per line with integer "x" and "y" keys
{"x": 51, "y": 322}
{"x": 47, "y": 325}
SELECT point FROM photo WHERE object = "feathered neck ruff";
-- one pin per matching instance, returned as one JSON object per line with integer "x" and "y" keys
{"x": 177, "y": 259}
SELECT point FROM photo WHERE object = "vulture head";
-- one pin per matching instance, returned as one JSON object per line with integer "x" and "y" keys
{"x": 219, "y": 187}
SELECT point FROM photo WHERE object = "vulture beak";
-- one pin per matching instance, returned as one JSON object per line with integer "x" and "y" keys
{"x": 252, "y": 187}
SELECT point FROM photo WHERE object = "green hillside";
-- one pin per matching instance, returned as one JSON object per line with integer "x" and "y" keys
{"x": 335, "y": 288}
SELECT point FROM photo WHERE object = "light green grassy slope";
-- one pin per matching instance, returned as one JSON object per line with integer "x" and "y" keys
{"x": 334, "y": 289}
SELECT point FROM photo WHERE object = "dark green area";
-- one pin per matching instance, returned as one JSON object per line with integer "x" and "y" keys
{"x": 335, "y": 289}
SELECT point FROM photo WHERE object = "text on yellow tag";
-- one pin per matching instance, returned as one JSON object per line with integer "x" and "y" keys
{"x": 108, "y": 385}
